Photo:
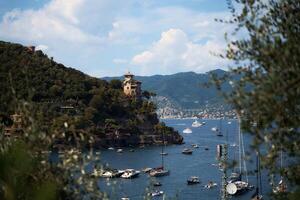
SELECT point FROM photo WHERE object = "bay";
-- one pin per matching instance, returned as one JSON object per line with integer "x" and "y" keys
{"x": 201, "y": 163}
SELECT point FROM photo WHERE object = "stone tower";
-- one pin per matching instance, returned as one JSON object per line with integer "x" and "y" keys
{"x": 131, "y": 87}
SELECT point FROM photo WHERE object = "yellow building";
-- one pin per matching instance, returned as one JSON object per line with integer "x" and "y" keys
{"x": 131, "y": 87}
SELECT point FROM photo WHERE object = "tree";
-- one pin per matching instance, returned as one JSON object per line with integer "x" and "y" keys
{"x": 267, "y": 96}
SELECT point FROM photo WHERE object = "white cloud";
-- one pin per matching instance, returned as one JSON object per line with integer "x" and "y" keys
{"x": 97, "y": 35}
{"x": 176, "y": 52}
{"x": 55, "y": 21}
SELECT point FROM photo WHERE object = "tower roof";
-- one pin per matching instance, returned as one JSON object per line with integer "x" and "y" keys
{"x": 128, "y": 74}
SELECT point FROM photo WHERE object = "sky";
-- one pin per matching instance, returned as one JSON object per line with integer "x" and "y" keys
{"x": 110, "y": 37}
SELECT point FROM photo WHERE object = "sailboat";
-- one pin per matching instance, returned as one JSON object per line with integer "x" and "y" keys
{"x": 160, "y": 171}
{"x": 236, "y": 185}
{"x": 257, "y": 195}
{"x": 281, "y": 187}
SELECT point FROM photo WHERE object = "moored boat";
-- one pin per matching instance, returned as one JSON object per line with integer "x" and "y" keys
{"x": 119, "y": 150}
{"x": 157, "y": 184}
{"x": 187, "y": 151}
{"x": 156, "y": 193}
{"x": 193, "y": 180}
{"x": 163, "y": 153}
{"x": 196, "y": 124}
{"x": 210, "y": 185}
{"x": 159, "y": 172}
{"x": 187, "y": 130}
{"x": 237, "y": 187}
{"x": 130, "y": 173}
{"x": 214, "y": 129}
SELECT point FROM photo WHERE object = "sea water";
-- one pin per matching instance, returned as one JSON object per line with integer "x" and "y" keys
{"x": 201, "y": 163}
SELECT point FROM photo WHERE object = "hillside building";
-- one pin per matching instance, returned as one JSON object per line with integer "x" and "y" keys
{"x": 131, "y": 87}
{"x": 17, "y": 126}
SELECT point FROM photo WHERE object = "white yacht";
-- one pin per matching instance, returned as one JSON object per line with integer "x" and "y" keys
{"x": 196, "y": 124}
{"x": 214, "y": 129}
{"x": 187, "y": 131}
{"x": 159, "y": 172}
{"x": 156, "y": 193}
{"x": 210, "y": 185}
{"x": 130, "y": 173}
{"x": 119, "y": 150}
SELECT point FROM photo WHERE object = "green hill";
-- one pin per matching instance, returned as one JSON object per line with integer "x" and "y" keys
{"x": 186, "y": 90}
{"x": 60, "y": 94}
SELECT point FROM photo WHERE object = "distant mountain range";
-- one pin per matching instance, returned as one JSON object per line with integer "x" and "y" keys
{"x": 186, "y": 90}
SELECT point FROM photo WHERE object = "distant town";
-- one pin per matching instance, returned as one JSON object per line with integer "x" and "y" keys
{"x": 167, "y": 109}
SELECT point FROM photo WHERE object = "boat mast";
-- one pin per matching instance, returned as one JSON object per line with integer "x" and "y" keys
{"x": 244, "y": 161}
{"x": 224, "y": 194}
{"x": 240, "y": 152}
{"x": 162, "y": 150}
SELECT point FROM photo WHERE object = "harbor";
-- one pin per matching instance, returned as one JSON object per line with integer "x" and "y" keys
{"x": 202, "y": 163}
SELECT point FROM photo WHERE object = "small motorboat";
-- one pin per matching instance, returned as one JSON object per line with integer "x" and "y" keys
{"x": 210, "y": 185}
{"x": 220, "y": 134}
{"x": 187, "y": 151}
{"x": 206, "y": 148}
{"x": 187, "y": 131}
{"x": 157, "y": 184}
{"x": 229, "y": 122}
{"x": 111, "y": 148}
{"x": 195, "y": 145}
{"x": 156, "y": 193}
{"x": 119, "y": 150}
{"x": 193, "y": 180}
{"x": 163, "y": 153}
{"x": 130, "y": 173}
{"x": 233, "y": 145}
{"x": 112, "y": 173}
{"x": 125, "y": 198}
{"x": 196, "y": 124}
{"x": 214, "y": 129}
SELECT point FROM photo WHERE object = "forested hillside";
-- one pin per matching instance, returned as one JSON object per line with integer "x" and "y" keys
{"x": 60, "y": 94}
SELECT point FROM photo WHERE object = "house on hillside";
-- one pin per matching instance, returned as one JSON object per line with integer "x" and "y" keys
{"x": 131, "y": 87}
{"x": 16, "y": 128}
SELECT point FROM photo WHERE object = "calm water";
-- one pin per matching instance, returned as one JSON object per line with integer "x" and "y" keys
{"x": 200, "y": 163}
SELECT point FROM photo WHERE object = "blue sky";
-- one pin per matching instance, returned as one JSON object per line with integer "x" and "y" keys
{"x": 109, "y": 37}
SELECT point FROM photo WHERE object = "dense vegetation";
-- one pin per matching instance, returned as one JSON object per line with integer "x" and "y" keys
{"x": 268, "y": 59}
{"x": 66, "y": 109}
{"x": 64, "y": 94}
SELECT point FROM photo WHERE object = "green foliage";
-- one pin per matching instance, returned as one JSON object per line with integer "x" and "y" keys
{"x": 51, "y": 87}
{"x": 62, "y": 109}
{"x": 268, "y": 62}
{"x": 22, "y": 177}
